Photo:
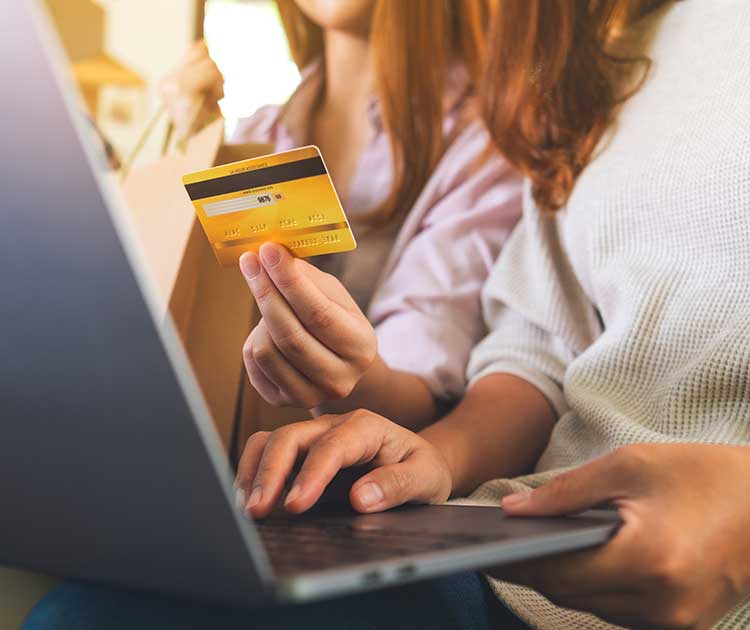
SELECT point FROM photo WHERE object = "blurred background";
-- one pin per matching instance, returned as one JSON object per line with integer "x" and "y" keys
{"x": 120, "y": 49}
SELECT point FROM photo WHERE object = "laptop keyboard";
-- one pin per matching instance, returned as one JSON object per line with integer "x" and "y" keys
{"x": 295, "y": 546}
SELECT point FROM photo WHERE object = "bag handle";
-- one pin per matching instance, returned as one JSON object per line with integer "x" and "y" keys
{"x": 148, "y": 130}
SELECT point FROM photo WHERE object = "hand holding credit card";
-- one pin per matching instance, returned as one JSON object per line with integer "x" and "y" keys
{"x": 313, "y": 344}
{"x": 287, "y": 198}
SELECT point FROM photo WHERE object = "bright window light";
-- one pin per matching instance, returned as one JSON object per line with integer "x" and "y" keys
{"x": 247, "y": 42}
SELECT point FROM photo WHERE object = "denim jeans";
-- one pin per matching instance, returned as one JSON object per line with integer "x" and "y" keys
{"x": 459, "y": 602}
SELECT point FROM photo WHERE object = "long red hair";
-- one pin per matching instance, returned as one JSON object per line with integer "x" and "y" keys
{"x": 414, "y": 42}
{"x": 552, "y": 85}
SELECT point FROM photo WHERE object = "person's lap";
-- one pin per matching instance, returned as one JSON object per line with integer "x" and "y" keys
{"x": 462, "y": 602}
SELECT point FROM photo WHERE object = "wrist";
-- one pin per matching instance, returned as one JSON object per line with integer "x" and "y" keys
{"x": 369, "y": 387}
{"x": 373, "y": 381}
{"x": 449, "y": 446}
{"x": 498, "y": 430}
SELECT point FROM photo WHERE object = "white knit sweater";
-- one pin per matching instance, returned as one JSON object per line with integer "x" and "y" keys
{"x": 630, "y": 309}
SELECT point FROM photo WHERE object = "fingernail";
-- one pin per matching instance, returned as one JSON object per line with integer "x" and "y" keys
{"x": 293, "y": 494}
{"x": 240, "y": 498}
{"x": 370, "y": 494}
{"x": 255, "y": 497}
{"x": 249, "y": 264}
{"x": 514, "y": 500}
{"x": 270, "y": 254}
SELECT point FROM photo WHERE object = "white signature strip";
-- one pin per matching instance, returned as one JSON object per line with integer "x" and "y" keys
{"x": 237, "y": 205}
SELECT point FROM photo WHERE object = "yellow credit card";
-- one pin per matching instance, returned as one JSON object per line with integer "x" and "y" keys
{"x": 286, "y": 197}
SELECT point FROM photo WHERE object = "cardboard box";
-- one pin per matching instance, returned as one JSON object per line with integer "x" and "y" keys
{"x": 211, "y": 306}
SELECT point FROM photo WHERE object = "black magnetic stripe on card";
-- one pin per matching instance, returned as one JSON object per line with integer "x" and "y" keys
{"x": 278, "y": 174}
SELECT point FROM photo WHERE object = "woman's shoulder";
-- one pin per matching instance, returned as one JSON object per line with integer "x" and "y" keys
{"x": 284, "y": 125}
{"x": 259, "y": 127}
{"x": 468, "y": 144}
{"x": 470, "y": 159}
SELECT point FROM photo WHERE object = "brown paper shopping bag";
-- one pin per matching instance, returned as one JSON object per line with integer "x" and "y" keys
{"x": 211, "y": 306}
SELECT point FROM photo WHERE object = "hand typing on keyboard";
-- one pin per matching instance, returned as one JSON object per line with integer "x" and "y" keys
{"x": 405, "y": 466}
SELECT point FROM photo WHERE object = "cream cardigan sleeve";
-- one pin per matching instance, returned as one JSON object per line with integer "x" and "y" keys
{"x": 535, "y": 308}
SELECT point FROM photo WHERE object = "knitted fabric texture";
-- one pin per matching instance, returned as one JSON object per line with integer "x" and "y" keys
{"x": 630, "y": 308}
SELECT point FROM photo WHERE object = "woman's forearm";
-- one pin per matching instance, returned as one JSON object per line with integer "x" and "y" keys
{"x": 499, "y": 429}
{"x": 399, "y": 396}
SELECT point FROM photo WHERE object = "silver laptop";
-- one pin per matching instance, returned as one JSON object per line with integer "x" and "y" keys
{"x": 110, "y": 468}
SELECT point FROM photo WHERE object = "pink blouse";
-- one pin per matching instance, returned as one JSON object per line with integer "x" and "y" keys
{"x": 420, "y": 282}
